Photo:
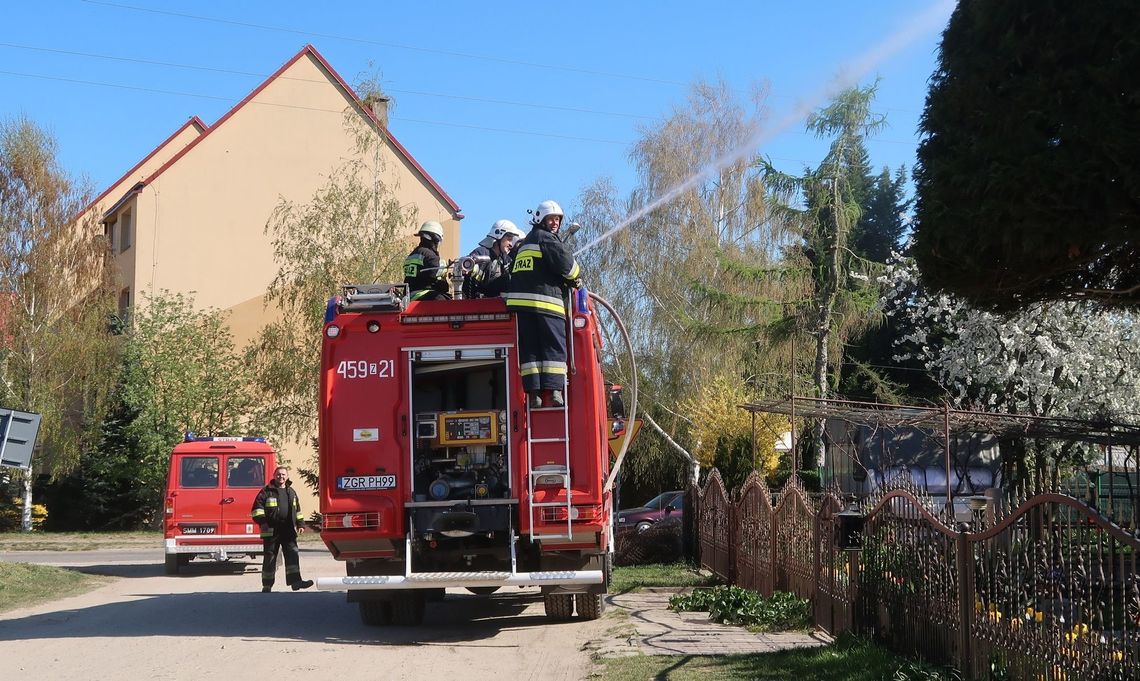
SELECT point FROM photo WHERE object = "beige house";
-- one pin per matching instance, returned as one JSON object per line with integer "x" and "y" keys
{"x": 191, "y": 216}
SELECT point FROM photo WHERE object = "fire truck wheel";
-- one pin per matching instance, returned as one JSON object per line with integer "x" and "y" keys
{"x": 482, "y": 590}
{"x": 375, "y": 613}
{"x": 558, "y": 606}
{"x": 590, "y": 606}
{"x": 172, "y": 563}
{"x": 434, "y": 595}
{"x": 408, "y": 608}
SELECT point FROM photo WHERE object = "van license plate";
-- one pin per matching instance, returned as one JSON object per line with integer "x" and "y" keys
{"x": 365, "y": 482}
{"x": 199, "y": 529}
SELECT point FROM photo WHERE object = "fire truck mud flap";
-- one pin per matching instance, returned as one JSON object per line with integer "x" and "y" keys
{"x": 436, "y": 580}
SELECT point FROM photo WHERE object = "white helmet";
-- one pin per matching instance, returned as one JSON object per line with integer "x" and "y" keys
{"x": 548, "y": 208}
{"x": 431, "y": 230}
{"x": 502, "y": 228}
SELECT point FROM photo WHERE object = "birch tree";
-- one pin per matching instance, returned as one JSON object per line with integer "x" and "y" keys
{"x": 58, "y": 357}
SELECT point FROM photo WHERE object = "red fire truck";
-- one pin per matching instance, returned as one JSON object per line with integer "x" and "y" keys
{"x": 434, "y": 470}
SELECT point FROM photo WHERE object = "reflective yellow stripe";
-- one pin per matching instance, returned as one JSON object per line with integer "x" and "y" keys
{"x": 536, "y": 305}
{"x": 258, "y": 512}
{"x": 574, "y": 271}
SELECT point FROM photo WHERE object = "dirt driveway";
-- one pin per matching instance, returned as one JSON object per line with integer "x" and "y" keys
{"x": 211, "y": 622}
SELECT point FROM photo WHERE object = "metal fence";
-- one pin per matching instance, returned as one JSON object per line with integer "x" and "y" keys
{"x": 1044, "y": 589}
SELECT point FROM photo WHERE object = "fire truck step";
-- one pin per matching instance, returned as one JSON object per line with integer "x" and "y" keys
{"x": 548, "y": 439}
{"x": 549, "y": 504}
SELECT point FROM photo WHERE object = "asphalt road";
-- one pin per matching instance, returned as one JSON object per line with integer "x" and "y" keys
{"x": 213, "y": 620}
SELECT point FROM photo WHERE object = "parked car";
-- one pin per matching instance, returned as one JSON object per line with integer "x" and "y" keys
{"x": 661, "y": 506}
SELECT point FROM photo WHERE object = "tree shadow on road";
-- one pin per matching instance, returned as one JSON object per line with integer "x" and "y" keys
{"x": 307, "y": 616}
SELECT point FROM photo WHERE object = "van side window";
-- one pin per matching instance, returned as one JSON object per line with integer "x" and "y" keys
{"x": 245, "y": 471}
{"x": 199, "y": 471}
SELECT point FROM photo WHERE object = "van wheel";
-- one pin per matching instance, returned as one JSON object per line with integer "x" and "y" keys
{"x": 375, "y": 613}
{"x": 482, "y": 590}
{"x": 172, "y": 563}
{"x": 558, "y": 606}
{"x": 590, "y": 606}
{"x": 408, "y": 608}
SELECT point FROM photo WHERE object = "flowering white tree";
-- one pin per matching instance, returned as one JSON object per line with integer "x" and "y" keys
{"x": 1061, "y": 359}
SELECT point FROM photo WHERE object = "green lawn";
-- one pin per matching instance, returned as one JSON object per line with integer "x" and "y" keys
{"x": 849, "y": 659}
{"x": 23, "y": 584}
{"x": 632, "y": 577}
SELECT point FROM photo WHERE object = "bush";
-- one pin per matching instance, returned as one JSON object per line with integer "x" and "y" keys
{"x": 734, "y": 605}
{"x": 11, "y": 515}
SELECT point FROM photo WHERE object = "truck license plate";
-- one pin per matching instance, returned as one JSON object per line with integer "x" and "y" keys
{"x": 365, "y": 482}
{"x": 199, "y": 529}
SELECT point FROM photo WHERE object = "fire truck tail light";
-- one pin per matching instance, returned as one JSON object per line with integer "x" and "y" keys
{"x": 352, "y": 521}
{"x": 332, "y": 331}
{"x": 577, "y": 514}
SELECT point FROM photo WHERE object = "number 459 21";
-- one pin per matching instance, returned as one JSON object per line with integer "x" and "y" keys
{"x": 362, "y": 368}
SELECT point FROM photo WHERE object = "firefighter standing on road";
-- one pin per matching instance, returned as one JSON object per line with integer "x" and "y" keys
{"x": 492, "y": 278}
{"x": 278, "y": 511}
{"x": 425, "y": 278}
{"x": 544, "y": 269}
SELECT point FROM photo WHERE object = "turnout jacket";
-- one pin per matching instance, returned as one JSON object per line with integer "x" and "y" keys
{"x": 543, "y": 269}
{"x": 422, "y": 272}
{"x": 488, "y": 279}
{"x": 277, "y": 508}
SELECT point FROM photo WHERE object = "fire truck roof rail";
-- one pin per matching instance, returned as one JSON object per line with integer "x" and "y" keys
{"x": 373, "y": 297}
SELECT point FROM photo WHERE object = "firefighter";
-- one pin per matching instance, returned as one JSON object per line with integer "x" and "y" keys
{"x": 425, "y": 277}
{"x": 492, "y": 278}
{"x": 278, "y": 511}
{"x": 544, "y": 270}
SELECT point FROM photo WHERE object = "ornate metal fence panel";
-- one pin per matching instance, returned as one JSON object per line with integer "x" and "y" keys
{"x": 909, "y": 578}
{"x": 1056, "y": 594}
{"x": 716, "y": 528}
{"x": 833, "y": 570}
{"x": 1050, "y": 591}
{"x": 793, "y": 534}
{"x": 754, "y": 519}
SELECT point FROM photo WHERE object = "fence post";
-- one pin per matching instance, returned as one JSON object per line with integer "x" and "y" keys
{"x": 965, "y": 603}
{"x": 853, "y": 576}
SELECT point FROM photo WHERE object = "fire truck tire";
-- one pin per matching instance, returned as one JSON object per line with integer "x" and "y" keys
{"x": 375, "y": 613}
{"x": 408, "y": 608}
{"x": 590, "y": 606}
{"x": 482, "y": 590}
{"x": 172, "y": 563}
{"x": 435, "y": 595}
{"x": 558, "y": 606}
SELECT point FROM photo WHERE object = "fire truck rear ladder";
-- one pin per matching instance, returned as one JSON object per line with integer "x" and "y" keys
{"x": 550, "y": 470}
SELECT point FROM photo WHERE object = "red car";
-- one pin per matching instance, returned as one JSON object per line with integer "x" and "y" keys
{"x": 661, "y": 506}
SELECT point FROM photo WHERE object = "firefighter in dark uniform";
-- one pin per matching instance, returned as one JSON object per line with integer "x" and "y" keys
{"x": 543, "y": 271}
{"x": 278, "y": 511}
{"x": 425, "y": 278}
{"x": 491, "y": 278}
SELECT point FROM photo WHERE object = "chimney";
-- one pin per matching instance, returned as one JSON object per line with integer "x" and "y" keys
{"x": 377, "y": 103}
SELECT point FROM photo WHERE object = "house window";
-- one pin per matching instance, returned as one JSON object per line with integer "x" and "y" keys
{"x": 124, "y": 304}
{"x": 126, "y": 230}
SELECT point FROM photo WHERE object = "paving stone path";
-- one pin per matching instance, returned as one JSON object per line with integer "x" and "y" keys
{"x": 651, "y": 628}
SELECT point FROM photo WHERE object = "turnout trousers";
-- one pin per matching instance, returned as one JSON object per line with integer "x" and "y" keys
{"x": 286, "y": 542}
{"x": 542, "y": 351}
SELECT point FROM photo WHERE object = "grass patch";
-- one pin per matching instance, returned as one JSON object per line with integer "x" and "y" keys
{"x": 630, "y": 577}
{"x": 24, "y": 584}
{"x": 849, "y": 659}
{"x": 78, "y": 541}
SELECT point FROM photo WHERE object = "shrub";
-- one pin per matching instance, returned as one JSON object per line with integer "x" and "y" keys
{"x": 734, "y": 605}
{"x": 11, "y": 515}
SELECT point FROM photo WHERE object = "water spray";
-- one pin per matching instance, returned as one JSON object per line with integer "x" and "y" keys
{"x": 933, "y": 18}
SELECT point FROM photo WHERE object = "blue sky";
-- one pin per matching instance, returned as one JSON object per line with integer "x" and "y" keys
{"x": 505, "y": 104}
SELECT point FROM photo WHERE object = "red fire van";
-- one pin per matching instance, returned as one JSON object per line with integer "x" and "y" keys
{"x": 209, "y": 491}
